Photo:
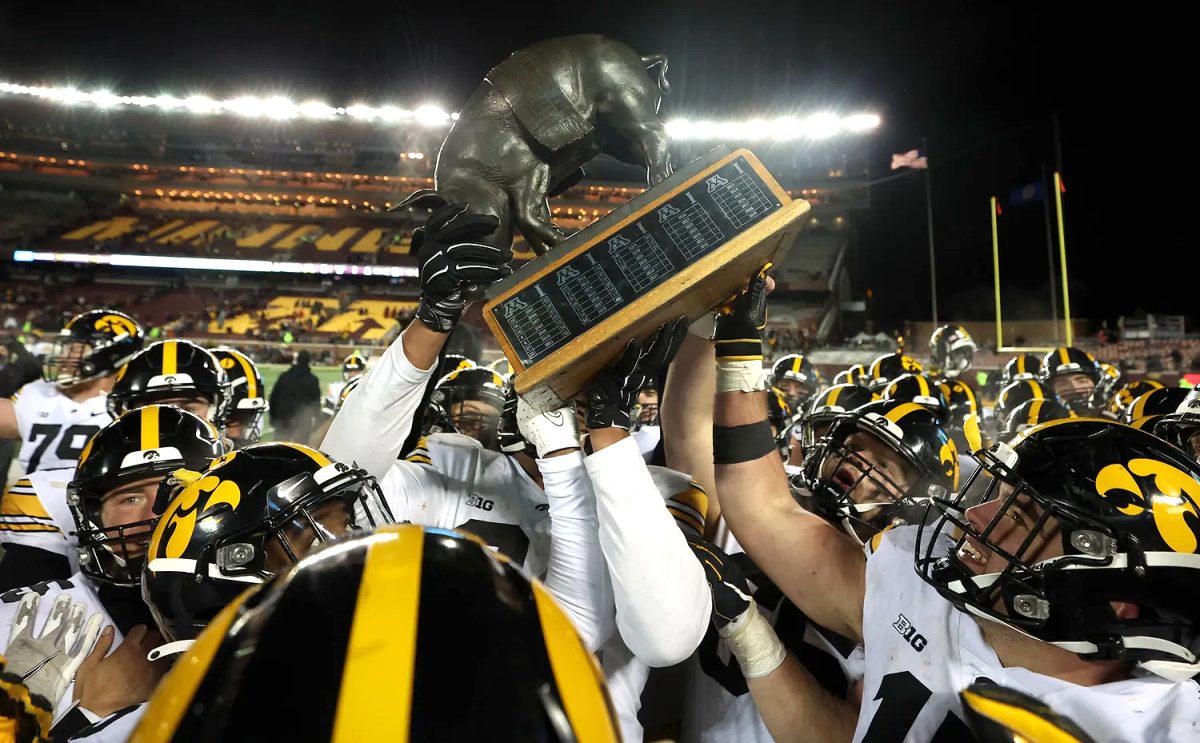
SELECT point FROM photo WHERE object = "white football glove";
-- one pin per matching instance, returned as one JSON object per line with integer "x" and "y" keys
{"x": 548, "y": 432}
{"x": 47, "y": 661}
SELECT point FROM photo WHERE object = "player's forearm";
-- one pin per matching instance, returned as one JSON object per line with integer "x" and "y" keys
{"x": 8, "y": 420}
{"x": 795, "y": 707}
{"x": 376, "y": 419}
{"x": 799, "y": 551}
{"x": 577, "y": 575}
{"x": 662, "y": 599}
{"x": 686, "y": 416}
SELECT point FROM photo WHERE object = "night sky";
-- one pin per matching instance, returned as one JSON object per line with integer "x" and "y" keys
{"x": 980, "y": 81}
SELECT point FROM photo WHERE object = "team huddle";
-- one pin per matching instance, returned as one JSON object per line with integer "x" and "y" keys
{"x": 880, "y": 558}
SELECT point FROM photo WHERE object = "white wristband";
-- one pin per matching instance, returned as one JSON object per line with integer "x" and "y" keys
{"x": 741, "y": 376}
{"x": 754, "y": 643}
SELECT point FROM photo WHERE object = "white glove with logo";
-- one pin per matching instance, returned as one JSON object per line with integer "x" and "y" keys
{"x": 47, "y": 661}
{"x": 548, "y": 432}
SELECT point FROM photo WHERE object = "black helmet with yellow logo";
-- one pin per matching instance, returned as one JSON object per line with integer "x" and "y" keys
{"x": 1068, "y": 361}
{"x": 998, "y": 714}
{"x": 247, "y": 403}
{"x": 147, "y": 443}
{"x": 170, "y": 370}
{"x": 1120, "y": 509}
{"x": 797, "y": 377}
{"x": 825, "y": 407}
{"x": 354, "y": 365}
{"x": 1122, "y": 400}
{"x": 394, "y": 610}
{"x": 93, "y": 344}
{"x": 853, "y": 487}
{"x": 964, "y": 425}
{"x": 1153, "y": 404}
{"x": 952, "y": 349}
{"x": 1110, "y": 380}
{"x": 449, "y": 410}
{"x": 887, "y": 367}
{"x": 1180, "y": 426}
{"x": 246, "y": 517}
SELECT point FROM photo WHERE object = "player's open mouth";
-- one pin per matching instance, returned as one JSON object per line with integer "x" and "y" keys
{"x": 972, "y": 556}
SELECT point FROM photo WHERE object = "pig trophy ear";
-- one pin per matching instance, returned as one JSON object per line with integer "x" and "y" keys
{"x": 426, "y": 198}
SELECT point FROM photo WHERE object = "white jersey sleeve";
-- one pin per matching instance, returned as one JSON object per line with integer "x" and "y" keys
{"x": 117, "y": 729}
{"x": 921, "y": 652}
{"x": 661, "y": 596}
{"x": 577, "y": 575}
{"x": 374, "y": 422}
{"x": 34, "y": 514}
{"x": 54, "y": 428}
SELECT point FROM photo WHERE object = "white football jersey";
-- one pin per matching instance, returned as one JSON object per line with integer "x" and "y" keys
{"x": 921, "y": 652}
{"x": 80, "y": 590}
{"x": 451, "y": 481}
{"x": 54, "y": 428}
{"x": 718, "y": 707}
{"x": 34, "y": 513}
{"x": 647, "y": 438}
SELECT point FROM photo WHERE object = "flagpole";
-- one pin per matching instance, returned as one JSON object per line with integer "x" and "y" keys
{"x": 995, "y": 268}
{"x": 929, "y": 218}
{"x": 1062, "y": 255}
{"x": 1050, "y": 253}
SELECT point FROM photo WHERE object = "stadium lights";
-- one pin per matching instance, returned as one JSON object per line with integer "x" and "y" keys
{"x": 213, "y": 264}
{"x": 817, "y": 126}
{"x": 272, "y": 107}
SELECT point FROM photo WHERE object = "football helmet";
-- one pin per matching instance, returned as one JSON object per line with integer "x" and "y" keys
{"x": 952, "y": 349}
{"x": 247, "y": 403}
{"x": 170, "y": 370}
{"x": 93, "y": 344}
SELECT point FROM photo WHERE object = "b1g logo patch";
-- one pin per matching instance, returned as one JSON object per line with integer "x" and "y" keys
{"x": 909, "y": 632}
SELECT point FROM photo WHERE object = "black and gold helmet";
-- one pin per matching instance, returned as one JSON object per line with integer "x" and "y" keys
{"x": 854, "y": 374}
{"x": 1123, "y": 398}
{"x": 865, "y": 496}
{"x": 1033, "y": 413}
{"x": 997, "y": 714}
{"x": 1123, "y": 505}
{"x": 825, "y": 407}
{"x": 1017, "y": 393}
{"x": 247, "y": 403}
{"x": 952, "y": 349}
{"x": 249, "y": 515}
{"x": 919, "y": 389}
{"x": 453, "y": 362}
{"x": 394, "y": 610}
{"x": 1021, "y": 367}
{"x": 1153, "y": 405}
{"x": 453, "y": 391}
{"x": 887, "y": 367}
{"x": 779, "y": 415}
{"x": 797, "y": 378}
{"x": 171, "y": 370}
{"x": 150, "y": 442}
{"x": 1180, "y": 426}
{"x": 93, "y": 344}
{"x": 354, "y": 365}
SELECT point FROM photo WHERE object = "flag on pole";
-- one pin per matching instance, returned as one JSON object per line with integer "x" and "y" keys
{"x": 912, "y": 159}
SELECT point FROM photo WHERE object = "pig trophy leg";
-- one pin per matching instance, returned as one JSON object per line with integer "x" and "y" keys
{"x": 531, "y": 210}
{"x": 636, "y": 136}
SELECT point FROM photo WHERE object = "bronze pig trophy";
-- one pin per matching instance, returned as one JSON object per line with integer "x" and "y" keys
{"x": 537, "y": 118}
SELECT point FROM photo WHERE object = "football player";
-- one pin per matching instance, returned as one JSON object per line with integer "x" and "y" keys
{"x": 247, "y": 403}
{"x": 797, "y": 378}
{"x": 1072, "y": 374}
{"x": 56, "y": 417}
{"x": 952, "y": 351}
{"x": 175, "y": 372}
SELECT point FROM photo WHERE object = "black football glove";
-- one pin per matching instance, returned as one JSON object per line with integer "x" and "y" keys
{"x": 615, "y": 391}
{"x": 509, "y": 433}
{"x": 739, "y": 324}
{"x": 730, "y": 590}
{"x": 453, "y": 262}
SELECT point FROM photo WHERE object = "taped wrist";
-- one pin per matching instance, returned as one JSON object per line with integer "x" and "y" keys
{"x": 737, "y": 444}
{"x": 754, "y": 644}
{"x": 741, "y": 376}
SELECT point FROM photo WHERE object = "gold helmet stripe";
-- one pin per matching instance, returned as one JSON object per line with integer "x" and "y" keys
{"x": 580, "y": 683}
{"x": 1025, "y": 724}
{"x": 923, "y": 384}
{"x": 175, "y": 692}
{"x": 1063, "y": 357}
{"x": 834, "y": 394}
{"x": 383, "y": 641}
{"x": 896, "y": 414}
{"x": 318, "y": 457}
{"x": 251, "y": 381}
{"x": 797, "y": 363}
{"x": 1034, "y": 410}
{"x": 170, "y": 362}
{"x": 149, "y": 427}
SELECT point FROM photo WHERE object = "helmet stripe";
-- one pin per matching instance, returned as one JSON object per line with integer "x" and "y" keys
{"x": 383, "y": 641}
{"x": 316, "y": 456}
{"x": 834, "y": 394}
{"x": 149, "y": 427}
{"x": 1034, "y": 410}
{"x": 251, "y": 381}
{"x": 1024, "y": 724}
{"x": 896, "y": 414}
{"x": 1063, "y": 358}
{"x": 575, "y": 672}
{"x": 170, "y": 361}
